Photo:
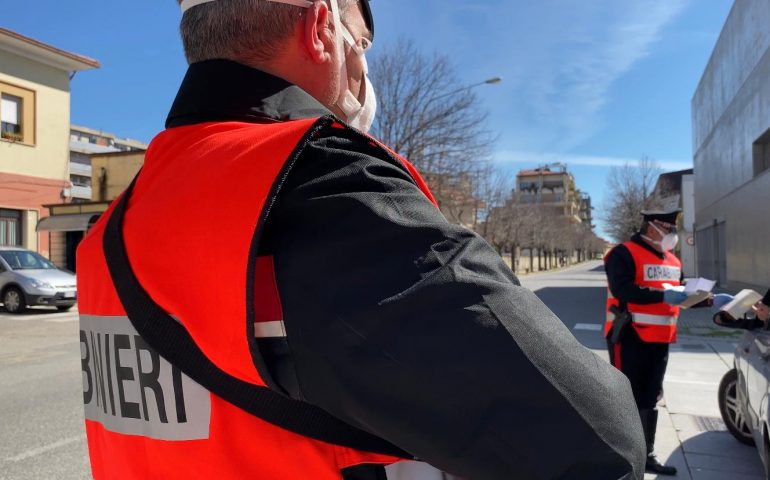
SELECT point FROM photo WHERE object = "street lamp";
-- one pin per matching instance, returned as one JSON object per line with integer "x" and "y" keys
{"x": 489, "y": 81}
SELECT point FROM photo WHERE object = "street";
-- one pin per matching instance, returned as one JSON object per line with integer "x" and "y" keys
{"x": 40, "y": 397}
{"x": 42, "y": 411}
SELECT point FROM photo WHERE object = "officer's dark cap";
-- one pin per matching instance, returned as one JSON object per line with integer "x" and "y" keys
{"x": 665, "y": 216}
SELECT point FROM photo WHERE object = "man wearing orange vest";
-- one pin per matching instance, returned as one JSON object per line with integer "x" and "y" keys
{"x": 642, "y": 313}
{"x": 277, "y": 295}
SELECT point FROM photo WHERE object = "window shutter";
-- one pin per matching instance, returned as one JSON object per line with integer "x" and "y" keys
{"x": 9, "y": 110}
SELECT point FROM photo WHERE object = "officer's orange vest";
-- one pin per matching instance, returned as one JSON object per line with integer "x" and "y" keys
{"x": 171, "y": 297}
{"x": 654, "y": 322}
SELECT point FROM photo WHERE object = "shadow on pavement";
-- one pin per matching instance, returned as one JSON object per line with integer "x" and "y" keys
{"x": 712, "y": 455}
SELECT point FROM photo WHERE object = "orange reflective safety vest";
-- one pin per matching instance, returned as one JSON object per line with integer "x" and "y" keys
{"x": 172, "y": 296}
{"x": 655, "y": 322}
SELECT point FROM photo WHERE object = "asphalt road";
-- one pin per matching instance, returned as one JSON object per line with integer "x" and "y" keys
{"x": 41, "y": 400}
{"x": 578, "y": 296}
{"x": 41, "y": 403}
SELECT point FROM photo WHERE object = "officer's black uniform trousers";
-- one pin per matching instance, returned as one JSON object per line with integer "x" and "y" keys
{"x": 644, "y": 363}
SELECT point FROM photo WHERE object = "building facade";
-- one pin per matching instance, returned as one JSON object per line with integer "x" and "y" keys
{"x": 676, "y": 190}
{"x": 731, "y": 145}
{"x": 34, "y": 131}
{"x": 68, "y": 222}
{"x": 553, "y": 187}
{"x": 86, "y": 142}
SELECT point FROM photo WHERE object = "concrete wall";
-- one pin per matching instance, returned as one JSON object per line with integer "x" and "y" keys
{"x": 121, "y": 169}
{"x": 687, "y": 235}
{"x": 49, "y": 156}
{"x": 731, "y": 111}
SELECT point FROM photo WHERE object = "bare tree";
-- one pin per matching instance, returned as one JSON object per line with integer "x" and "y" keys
{"x": 427, "y": 116}
{"x": 628, "y": 188}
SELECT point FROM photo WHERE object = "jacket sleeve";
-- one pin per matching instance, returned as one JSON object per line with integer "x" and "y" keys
{"x": 415, "y": 330}
{"x": 621, "y": 279}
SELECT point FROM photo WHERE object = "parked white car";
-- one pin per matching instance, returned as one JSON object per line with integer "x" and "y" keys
{"x": 27, "y": 278}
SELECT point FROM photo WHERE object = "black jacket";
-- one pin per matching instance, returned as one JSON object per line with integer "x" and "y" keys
{"x": 410, "y": 327}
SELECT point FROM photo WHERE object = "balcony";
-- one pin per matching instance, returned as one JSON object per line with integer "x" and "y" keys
{"x": 80, "y": 169}
{"x": 81, "y": 192}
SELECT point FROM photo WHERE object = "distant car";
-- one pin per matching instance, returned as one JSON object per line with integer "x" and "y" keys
{"x": 743, "y": 391}
{"x": 27, "y": 278}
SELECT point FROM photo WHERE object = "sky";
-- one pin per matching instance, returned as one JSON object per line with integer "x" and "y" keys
{"x": 592, "y": 84}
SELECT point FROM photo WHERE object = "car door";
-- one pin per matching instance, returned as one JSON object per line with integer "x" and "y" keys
{"x": 758, "y": 369}
{"x": 4, "y": 276}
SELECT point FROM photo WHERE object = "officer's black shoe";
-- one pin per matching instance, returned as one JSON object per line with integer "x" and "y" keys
{"x": 652, "y": 465}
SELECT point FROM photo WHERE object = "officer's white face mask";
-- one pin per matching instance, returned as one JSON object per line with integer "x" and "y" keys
{"x": 359, "y": 114}
{"x": 668, "y": 242}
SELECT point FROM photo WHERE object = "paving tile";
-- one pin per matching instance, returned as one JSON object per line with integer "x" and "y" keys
{"x": 699, "y": 474}
{"x": 720, "y": 444}
{"x": 724, "y": 464}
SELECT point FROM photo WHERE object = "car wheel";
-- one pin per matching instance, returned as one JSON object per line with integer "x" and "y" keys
{"x": 64, "y": 308}
{"x": 731, "y": 411}
{"x": 13, "y": 299}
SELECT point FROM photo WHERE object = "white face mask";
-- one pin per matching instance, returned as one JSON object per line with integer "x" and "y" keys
{"x": 358, "y": 115}
{"x": 667, "y": 243}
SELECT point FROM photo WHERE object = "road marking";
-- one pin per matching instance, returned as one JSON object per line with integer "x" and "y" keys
{"x": 594, "y": 327}
{"x": 45, "y": 448}
{"x": 47, "y": 317}
{"x": 690, "y": 382}
{"x": 63, "y": 319}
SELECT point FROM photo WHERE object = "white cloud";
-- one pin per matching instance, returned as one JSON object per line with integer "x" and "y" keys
{"x": 541, "y": 158}
{"x": 559, "y": 58}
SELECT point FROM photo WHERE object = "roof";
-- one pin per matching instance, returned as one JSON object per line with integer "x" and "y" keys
{"x": 77, "y": 222}
{"x": 75, "y": 129}
{"x": 119, "y": 153}
{"x": 90, "y": 148}
{"x": 532, "y": 173}
{"x": 18, "y": 44}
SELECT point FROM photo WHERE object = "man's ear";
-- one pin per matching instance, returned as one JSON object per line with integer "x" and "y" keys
{"x": 317, "y": 39}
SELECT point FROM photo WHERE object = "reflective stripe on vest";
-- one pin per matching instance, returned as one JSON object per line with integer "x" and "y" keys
{"x": 146, "y": 418}
{"x": 647, "y": 319}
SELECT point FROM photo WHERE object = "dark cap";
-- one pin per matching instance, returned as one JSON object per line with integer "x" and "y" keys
{"x": 665, "y": 216}
{"x": 368, "y": 18}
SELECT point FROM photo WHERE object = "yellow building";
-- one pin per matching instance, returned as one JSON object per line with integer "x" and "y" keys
{"x": 34, "y": 134}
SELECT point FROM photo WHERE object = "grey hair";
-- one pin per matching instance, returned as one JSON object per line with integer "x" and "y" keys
{"x": 239, "y": 29}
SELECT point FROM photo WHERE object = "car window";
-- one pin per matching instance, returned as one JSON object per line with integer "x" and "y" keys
{"x": 24, "y": 260}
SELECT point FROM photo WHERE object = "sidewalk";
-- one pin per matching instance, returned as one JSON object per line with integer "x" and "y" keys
{"x": 691, "y": 435}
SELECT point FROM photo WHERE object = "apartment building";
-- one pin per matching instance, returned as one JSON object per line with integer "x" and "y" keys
{"x": 34, "y": 132}
{"x": 84, "y": 144}
{"x": 553, "y": 187}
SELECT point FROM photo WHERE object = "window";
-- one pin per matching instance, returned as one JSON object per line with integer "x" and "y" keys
{"x": 10, "y": 116}
{"x": 10, "y": 227}
{"x": 80, "y": 180}
{"x": 17, "y": 110}
{"x": 762, "y": 153}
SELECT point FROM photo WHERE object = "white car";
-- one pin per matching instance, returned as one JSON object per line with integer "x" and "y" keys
{"x": 27, "y": 278}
